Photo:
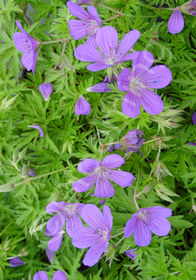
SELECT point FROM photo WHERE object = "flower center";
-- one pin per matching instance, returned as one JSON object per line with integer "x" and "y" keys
{"x": 135, "y": 84}
{"x": 28, "y": 46}
{"x": 103, "y": 234}
{"x": 70, "y": 210}
{"x": 144, "y": 216}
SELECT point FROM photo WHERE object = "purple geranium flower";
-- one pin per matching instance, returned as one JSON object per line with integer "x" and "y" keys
{"x": 26, "y": 44}
{"x": 130, "y": 253}
{"x": 38, "y": 128}
{"x": 50, "y": 254}
{"x": 88, "y": 25}
{"x": 46, "y": 90}
{"x": 138, "y": 83}
{"x": 68, "y": 212}
{"x": 132, "y": 141}
{"x": 191, "y": 143}
{"x": 41, "y": 275}
{"x": 146, "y": 220}
{"x": 16, "y": 262}
{"x": 194, "y": 118}
{"x": 110, "y": 53}
{"x": 102, "y": 87}
{"x": 97, "y": 235}
{"x": 101, "y": 173}
{"x": 85, "y": 2}
{"x": 82, "y": 107}
{"x": 55, "y": 242}
{"x": 176, "y": 20}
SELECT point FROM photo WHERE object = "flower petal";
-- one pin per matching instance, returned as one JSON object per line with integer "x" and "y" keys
{"x": 18, "y": 24}
{"x": 19, "y": 41}
{"x": 130, "y": 254}
{"x": 142, "y": 234}
{"x": 84, "y": 238}
{"x": 55, "y": 243}
{"x": 34, "y": 61}
{"x": 194, "y": 118}
{"x": 129, "y": 56}
{"x": 142, "y": 63}
{"x": 108, "y": 218}
{"x": 50, "y": 255}
{"x": 38, "y": 128}
{"x": 27, "y": 60}
{"x": 16, "y": 262}
{"x": 127, "y": 42}
{"x": 92, "y": 215}
{"x": 107, "y": 40}
{"x": 84, "y": 184}
{"x": 88, "y": 165}
{"x": 73, "y": 224}
{"x": 94, "y": 67}
{"x": 121, "y": 178}
{"x": 113, "y": 161}
{"x": 160, "y": 211}
{"x": 87, "y": 53}
{"x": 40, "y": 275}
{"x": 93, "y": 13}
{"x": 91, "y": 40}
{"x": 53, "y": 207}
{"x": 159, "y": 226}
{"x": 82, "y": 107}
{"x": 94, "y": 253}
{"x": 59, "y": 275}
{"x": 101, "y": 87}
{"x": 176, "y": 22}
{"x": 130, "y": 226}
{"x": 46, "y": 90}
{"x": 56, "y": 223}
{"x": 157, "y": 77}
{"x": 77, "y": 11}
{"x": 103, "y": 187}
{"x": 131, "y": 105}
{"x": 151, "y": 102}
{"x": 124, "y": 80}
{"x": 79, "y": 29}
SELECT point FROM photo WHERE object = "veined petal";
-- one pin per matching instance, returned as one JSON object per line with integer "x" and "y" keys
{"x": 19, "y": 41}
{"x": 73, "y": 224}
{"x": 94, "y": 67}
{"x": 159, "y": 226}
{"x": 113, "y": 161}
{"x": 121, "y": 178}
{"x": 108, "y": 218}
{"x": 142, "y": 63}
{"x": 157, "y": 77}
{"x": 27, "y": 60}
{"x": 77, "y": 11}
{"x": 130, "y": 254}
{"x": 142, "y": 234}
{"x": 56, "y": 223}
{"x": 87, "y": 53}
{"x": 107, "y": 40}
{"x": 92, "y": 215}
{"x": 93, "y": 13}
{"x": 129, "y": 56}
{"x": 85, "y": 237}
{"x": 84, "y": 184}
{"x": 160, "y": 211}
{"x": 130, "y": 226}
{"x": 124, "y": 79}
{"x": 127, "y": 42}
{"x": 176, "y": 22}
{"x": 151, "y": 102}
{"x": 40, "y": 275}
{"x": 55, "y": 242}
{"x": 38, "y": 128}
{"x": 91, "y": 40}
{"x": 46, "y": 90}
{"x": 131, "y": 105}
{"x": 82, "y": 107}
{"x": 101, "y": 87}
{"x": 53, "y": 207}
{"x": 88, "y": 165}
{"x": 94, "y": 253}
{"x": 59, "y": 275}
{"x": 103, "y": 187}
{"x": 34, "y": 61}
{"x": 79, "y": 29}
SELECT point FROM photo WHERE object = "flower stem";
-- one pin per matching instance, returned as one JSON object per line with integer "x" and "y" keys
{"x": 55, "y": 41}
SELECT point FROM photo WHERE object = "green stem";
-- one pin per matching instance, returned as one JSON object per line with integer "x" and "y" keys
{"x": 55, "y": 41}
{"x": 115, "y": 246}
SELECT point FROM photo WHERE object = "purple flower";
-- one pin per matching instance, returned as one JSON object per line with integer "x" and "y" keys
{"x": 26, "y": 44}
{"x": 46, "y": 90}
{"x": 132, "y": 141}
{"x": 130, "y": 254}
{"x": 88, "y": 25}
{"x": 55, "y": 242}
{"x": 68, "y": 212}
{"x": 102, "y": 87}
{"x": 110, "y": 53}
{"x": 146, "y": 220}
{"x": 101, "y": 173}
{"x": 41, "y": 275}
{"x": 82, "y": 106}
{"x": 16, "y": 262}
{"x": 191, "y": 143}
{"x": 176, "y": 22}
{"x": 97, "y": 235}
{"x": 85, "y": 2}
{"x": 50, "y": 255}
{"x": 38, "y": 128}
{"x": 189, "y": 8}
{"x": 138, "y": 83}
{"x": 194, "y": 118}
